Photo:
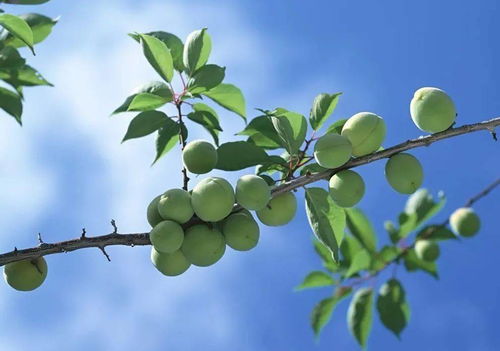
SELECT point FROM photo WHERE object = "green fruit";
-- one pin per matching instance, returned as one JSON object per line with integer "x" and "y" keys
{"x": 175, "y": 204}
{"x": 404, "y": 173}
{"x": 170, "y": 264}
{"x": 203, "y": 246}
{"x": 346, "y": 188}
{"x": 365, "y": 131}
{"x": 199, "y": 156}
{"x": 465, "y": 222}
{"x": 26, "y": 275}
{"x": 427, "y": 250}
{"x": 252, "y": 192}
{"x": 432, "y": 110}
{"x": 332, "y": 150}
{"x": 152, "y": 213}
{"x": 279, "y": 211}
{"x": 167, "y": 236}
{"x": 241, "y": 231}
{"x": 213, "y": 199}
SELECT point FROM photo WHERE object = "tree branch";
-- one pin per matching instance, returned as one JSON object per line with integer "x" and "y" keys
{"x": 141, "y": 239}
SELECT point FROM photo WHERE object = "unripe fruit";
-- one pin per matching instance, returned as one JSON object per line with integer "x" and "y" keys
{"x": 404, "y": 173}
{"x": 465, "y": 222}
{"x": 427, "y": 250}
{"x": 199, "y": 156}
{"x": 252, "y": 192}
{"x": 203, "y": 246}
{"x": 279, "y": 211}
{"x": 26, "y": 275}
{"x": 432, "y": 110}
{"x": 346, "y": 188}
{"x": 241, "y": 231}
{"x": 175, "y": 205}
{"x": 170, "y": 264}
{"x": 332, "y": 150}
{"x": 366, "y": 132}
{"x": 167, "y": 236}
{"x": 212, "y": 199}
{"x": 152, "y": 212}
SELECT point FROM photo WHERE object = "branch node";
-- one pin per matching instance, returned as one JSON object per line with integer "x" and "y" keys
{"x": 84, "y": 232}
{"x": 40, "y": 240}
{"x": 115, "y": 228}
{"x": 103, "y": 249}
{"x": 493, "y": 134}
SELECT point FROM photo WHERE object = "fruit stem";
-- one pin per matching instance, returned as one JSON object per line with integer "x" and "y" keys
{"x": 182, "y": 141}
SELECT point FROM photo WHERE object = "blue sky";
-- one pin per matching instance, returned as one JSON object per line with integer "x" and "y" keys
{"x": 65, "y": 169}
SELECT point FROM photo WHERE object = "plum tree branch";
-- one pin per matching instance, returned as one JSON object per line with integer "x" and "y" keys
{"x": 141, "y": 239}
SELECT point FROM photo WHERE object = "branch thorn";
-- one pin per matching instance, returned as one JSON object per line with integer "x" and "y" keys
{"x": 102, "y": 248}
{"x": 115, "y": 228}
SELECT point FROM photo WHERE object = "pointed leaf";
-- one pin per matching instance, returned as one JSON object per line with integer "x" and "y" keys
{"x": 436, "y": 233}
{"x": 291, "y": 128}
{"x": 145, "y": 123}
{"x": 208, "y": 118}
{"x": 394, "y": 311}
{"x": 322, "y": 312}
{"x": 24, "y": 76}
{"x": 10, "y": 58}
{"x": 173, "y": 43}
{"x": 18, "y": 28}
{"x": 323, "y": 107}
{"x": 206, "y": 78}
{"x": 229, "y": 97}
{"x": 359, "y": 315}
{"x": 316, "y": 279}
{"x": 238, "y": 155}
{"x": 168, "y": 137}
{"x": 361, "y": 228}
{"x": 360, "y": 261}
{"x": 154, "y": 87}
{"x": 11, "y": 103}
{"x": 158, "y": 56}
{"x": 336, "y": 127}
{"x": 146, "y": 102}
{"x": 196, "y": 50}
{"x": 413, "y": 263}
{"x": 261, "y": 132}
{"x": 41, "y": 26}
{"x": 326, "y": 256}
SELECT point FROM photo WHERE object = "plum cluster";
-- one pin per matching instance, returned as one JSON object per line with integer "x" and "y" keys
{"x": 432, "y": 110}
{"x": 193, "y": 228}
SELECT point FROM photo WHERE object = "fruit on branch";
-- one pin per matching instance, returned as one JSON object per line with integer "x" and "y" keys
{"x": 241, "y": 231}
{"x": 427, "y": 250}
{"x": 465, "y": 222}
{"x": 432, "y": 110}
{"x": 332, "y": 150}
{"x": 404, "y": 173}
{"x": 366, "y": 132}
{"x": 26, "y": 275}
{"x": 203, "y": 245}
{"x": 153, "y": 215}
{"x": 279, "y": 211}
{"x": 199, "y": 156}
{"x": 175, "y": 205}
{"x": 212, "y": 199}
{"x": 170, "y": 264}
{"x": 346, "y": 188}
{"x": 167, "y": 236}
{"x": 252, "y": 192}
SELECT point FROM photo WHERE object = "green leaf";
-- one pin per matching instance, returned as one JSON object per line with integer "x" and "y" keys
{"x": 158, "y": 56}
{"x": 238, "y": 155}
{"x": 229, "y": 97}
{"x": 407, "y": 224}
{"x": 41, "y": 26}
{"x": 11, "y": 103}
{"x": 383, "y": 257}
{"x": 436, "y": 233}
{"x": 24, "y": 2}
{"x": 261, "y": 132}
{"x": 336, "y": 127}
{"x": 18, "y": 28}
{"x": 322, "y": 312}
{"x": 206, "y": 78}
{"x": 272, "y": 165}
{"x": 326, "y": 219}
{"x": 24, "y": 76}
{"x": 173, "y": 43}
{"x": 413, "y": 263}
{"x": 323, "y": 107}
{"x": 393, "y": 310}
{"x": 360, "y": 261}
{"x": 422, "y": 205}
{"x": 349, "y": 248}
{"x": 316, "y": 279}
{"x": 197, "y": 50}
{"x": 10, "y": 58}
{"x": 361, "y": 228}
{"x": 359, "y": 315}
{"x": 291, "y": 128}
{"x": 147, "y": 102}
{"x": 168, "y": 137}
{"x": 326, "y": 256}
{"x": 144, "y": 124}
{"x": 311, "y": 169}
{"x": 208, "y": 118}
{"x": 154, "y": 87}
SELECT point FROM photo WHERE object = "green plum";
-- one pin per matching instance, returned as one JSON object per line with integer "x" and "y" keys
{"x": 332, "y": 150}
{"x": 170, "y": 264}
{"x": 26, "y": 275}
{"x": 199, "y": 156}
{"x": 465, "y": 222}
{"x": 404, "y": 173}
{"x": 241, "y": 231}
{"x": 203, "y": 245}
{"x": 366, "y": 132}
{"x": 346, "y": 188}
{"x": 153, "y": 215}
{"x": 167, "y": 236}
{"x": 175, "y": 205}
{"x": 252, "y": 192}
{"x": 279, "y": 211}
{"x": 213, "y": 199}
{"x": 432, "y": 110}
{"x": 427, "y": 250}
